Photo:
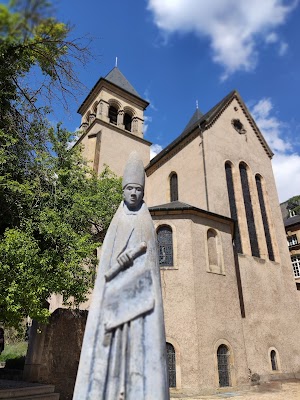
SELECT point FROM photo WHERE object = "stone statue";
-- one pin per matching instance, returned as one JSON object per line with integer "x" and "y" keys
{"x": 123, "y": 355}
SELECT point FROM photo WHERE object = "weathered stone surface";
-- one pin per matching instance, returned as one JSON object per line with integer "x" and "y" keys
{"x": 123, "y": 353}
{"x": 58, "y": 352}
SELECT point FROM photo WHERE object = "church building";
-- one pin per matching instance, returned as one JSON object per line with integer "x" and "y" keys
{"x": 230, "y": 302}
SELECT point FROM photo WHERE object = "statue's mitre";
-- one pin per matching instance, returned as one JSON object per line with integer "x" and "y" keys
{"x": 134, "y": 171}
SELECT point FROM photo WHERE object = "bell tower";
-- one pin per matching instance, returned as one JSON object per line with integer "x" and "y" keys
{"x": 112, "y": 119}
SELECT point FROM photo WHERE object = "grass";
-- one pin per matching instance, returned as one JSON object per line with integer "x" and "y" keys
{"x": 12, "y": 351}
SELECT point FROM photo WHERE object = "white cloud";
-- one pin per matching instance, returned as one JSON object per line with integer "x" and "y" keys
{"x": 154, "y": 150}
{"x": 286, "y": 169}
{"x": 231, "y": 26}
{"x": 286, "y": 161}
{"x": 147, "y": 119}
{"x": 270, "y": 126}
{"x": 147, "y": 98}
{"x": 283, "y": 48}
{"x": 271, "y": 38}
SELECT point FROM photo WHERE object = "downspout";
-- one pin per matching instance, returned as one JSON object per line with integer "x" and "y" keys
{"x": 204, "y": 164}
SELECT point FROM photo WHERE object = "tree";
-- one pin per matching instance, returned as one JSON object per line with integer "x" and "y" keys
{"x": 53, "y": 210}
{"x": 294, "y": 204}
{"x": 33, "y": 41}
{"x": 63, "y": 212}
{"x": 32, "y": 44}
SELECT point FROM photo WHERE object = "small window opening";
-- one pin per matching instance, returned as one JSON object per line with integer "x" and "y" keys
{"x": 274, "y": 360}
{"x": 223, "y": 365}
{"x": 174, "y": 187}
{"x": 165, "y": 246}
{"x": 113, "y": 115}
{"x": 171, "y": 360}
{"x": 127, "y": 122}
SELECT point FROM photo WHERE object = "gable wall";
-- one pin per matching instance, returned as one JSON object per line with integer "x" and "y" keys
{"x": 188, "y": 164}
{"x": 272, "y": 310}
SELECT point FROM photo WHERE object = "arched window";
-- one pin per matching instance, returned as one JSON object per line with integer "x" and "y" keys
{"x": 127, "y": 122}
{"x": 249, "y": 211}
{"x": 171, "y": 360}
{"x": 113, "y": 115}
{"x": 223, "y": 365}
{"x": 232, "y": 205}
{"x": 274, "y": 360}
{"x": 264, "y": 217}
{"x": 174, "y": 187}
{"x": 165, "y": 246}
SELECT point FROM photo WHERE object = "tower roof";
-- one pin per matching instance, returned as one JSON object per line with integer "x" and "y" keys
{"x": 195, "y": 118}
{"x": 116, "y": 77}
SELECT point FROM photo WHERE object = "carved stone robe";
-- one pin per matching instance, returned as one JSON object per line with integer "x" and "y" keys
{"x": 124, "y": 348}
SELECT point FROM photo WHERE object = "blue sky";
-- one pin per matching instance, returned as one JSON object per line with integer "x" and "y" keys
{"x": 175, "y": 52}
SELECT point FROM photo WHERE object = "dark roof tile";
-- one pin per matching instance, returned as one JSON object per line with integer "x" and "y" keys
{"x": 180, "y": 206}
{"x": 292, "y": 221}
{"x": 116, "y": 77}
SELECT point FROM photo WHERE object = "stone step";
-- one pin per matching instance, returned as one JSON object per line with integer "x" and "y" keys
{"x": 46, "y": 396}
{"x": 43, "y": 392}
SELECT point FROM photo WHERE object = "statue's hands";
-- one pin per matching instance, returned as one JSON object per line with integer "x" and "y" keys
{"x": 126, "y": 258}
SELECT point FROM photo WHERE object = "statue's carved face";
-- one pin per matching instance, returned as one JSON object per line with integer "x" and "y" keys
{"x": 133, "y": 195}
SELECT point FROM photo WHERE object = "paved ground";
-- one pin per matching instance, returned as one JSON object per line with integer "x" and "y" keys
{"x": 280, "y": 391}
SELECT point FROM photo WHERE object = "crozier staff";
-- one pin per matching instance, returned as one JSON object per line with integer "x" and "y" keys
{"x": 123, "y": 352}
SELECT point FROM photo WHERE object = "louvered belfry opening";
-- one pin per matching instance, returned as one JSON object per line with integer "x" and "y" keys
{"x": 223, "y": 365}
{"x": 127, "y": 122}
{"x": 165, "y": 246}
{"x": 113, "y": 115}
{"x": 174, "y": 186}
{"x": 171, "y": 360}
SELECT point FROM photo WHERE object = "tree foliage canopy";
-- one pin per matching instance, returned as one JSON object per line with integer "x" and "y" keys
{"x": 55, "y": 219}
{"x": 54, "y": 210}
{"x": 294, "y": 204}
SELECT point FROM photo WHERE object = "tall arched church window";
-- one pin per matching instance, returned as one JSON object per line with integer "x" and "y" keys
{"x": 223, "y": 365}
{"x": 165, "y": 246}
{"x": 174, "y": 186}
{"x": 274, "y": 363}
{"x": 249, "y": 211}
{"x": 113, "y": 115}
{"x": 171, "y": 360}
{"x": 232, "y": 205}
{"x": 127, "y": 122}
{"x": 264, "y": 217}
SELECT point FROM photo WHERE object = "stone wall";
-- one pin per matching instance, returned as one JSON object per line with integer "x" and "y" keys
{"x": 59, "y": 351}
